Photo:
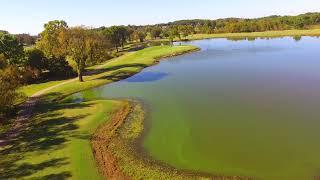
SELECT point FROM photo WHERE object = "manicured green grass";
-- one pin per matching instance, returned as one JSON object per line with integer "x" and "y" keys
{"x": 311, "y": 32}
{"x": 57, "y": 144}
{"x": 57, "y": 141}
{"x": 29, "y": 90}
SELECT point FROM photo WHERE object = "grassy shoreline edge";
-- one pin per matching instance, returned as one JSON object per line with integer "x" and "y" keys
{"x": 117, "y": 144}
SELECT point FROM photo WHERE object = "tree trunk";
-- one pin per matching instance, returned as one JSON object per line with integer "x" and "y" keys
{"x": 80, "y": 75}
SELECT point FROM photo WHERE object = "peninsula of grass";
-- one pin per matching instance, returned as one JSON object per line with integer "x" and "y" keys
{"x": 56, "y": 144}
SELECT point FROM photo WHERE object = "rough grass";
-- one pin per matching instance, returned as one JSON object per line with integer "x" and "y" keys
{"x": 57, "y": 143}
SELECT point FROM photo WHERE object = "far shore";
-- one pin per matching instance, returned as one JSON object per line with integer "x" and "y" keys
{"x": 266, "y": 34}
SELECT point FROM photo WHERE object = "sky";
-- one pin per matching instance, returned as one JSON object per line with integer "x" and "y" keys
{"x": 28, "y": 16}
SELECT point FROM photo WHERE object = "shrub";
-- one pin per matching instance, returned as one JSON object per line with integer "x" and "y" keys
{"x": 9, "y": 83}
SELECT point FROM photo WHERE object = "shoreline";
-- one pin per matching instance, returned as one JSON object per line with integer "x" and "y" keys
{"x": 117, "y": 147}
{"x": 116, "y": 152}
{"x": 244, "y": 35}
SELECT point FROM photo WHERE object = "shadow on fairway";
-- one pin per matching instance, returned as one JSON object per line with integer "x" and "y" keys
{"x": 48, "y": 130}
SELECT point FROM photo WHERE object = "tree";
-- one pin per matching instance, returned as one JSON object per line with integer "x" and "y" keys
{"x": 54, "y": 46}
{"x": 173, "y": 33}
{"x": 11, "y": 49}
{"x": 123, "y": 34}
{"x": 155, "y": 32}
{"x": 186, "y": 30}
{"x": 9, "y": 83}
{"x": 26, "y": 39}
{"x": 299, "y": 23}
{"x": 34, "y": 64}
{"x": 117, "y": 35}
{"x": 50, "y": 39}
{"x": 139, "y": 35}
{"x": 84, "y": 47}
{"x": 130, "y": 32}
{"x": 35, "y": 58}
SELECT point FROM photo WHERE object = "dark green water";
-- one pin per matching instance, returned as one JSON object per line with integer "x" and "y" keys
{"x": 237, "y": 108}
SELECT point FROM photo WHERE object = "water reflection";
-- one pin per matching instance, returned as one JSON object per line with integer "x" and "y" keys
{"x": 146, "y": 77}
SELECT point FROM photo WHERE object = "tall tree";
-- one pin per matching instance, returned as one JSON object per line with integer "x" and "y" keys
{"x": 11, "y": 49}
{"x": 50, "y": 39}
{"x": 113, "y": 35}
{"x": 84, "y": 47}
{"x": 139, "y": 35}
{"x": 9, "y": 83}
{"x": 26, "y": 39}
{"x": 156, "y": 32}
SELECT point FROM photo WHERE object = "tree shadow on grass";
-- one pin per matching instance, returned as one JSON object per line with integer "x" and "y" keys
{"x": 118, "y": 75}
{"x": 114, "y": 68}
{"x": 26, "y": 169}
{"x": 48, "y": 130}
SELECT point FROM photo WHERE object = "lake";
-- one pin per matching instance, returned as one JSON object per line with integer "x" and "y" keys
{"x": 242, "y": 107}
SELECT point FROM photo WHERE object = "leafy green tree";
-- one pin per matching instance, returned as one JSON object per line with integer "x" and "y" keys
{"x": 9, "y": 83}
{"x": 58, "y": 67}
{"x": 84, "y": 47}
{"x": 155, "y": 32}
{"x": 11, "y": 49}
{"x": 34, "y": 65}
{"x": 130, "y": 33}
{"x": 299, "y": 23}
{"x": 117, "y": 35}
{"x": 123, "y": 34}
{"x": 26, "y": 39}
{"x": 139, "y": 35}
{"x": 174, "y": 33}
{"x": 35, "y": 58}
{"x": 51, "y": 39}
{"x": 186, "y": 30}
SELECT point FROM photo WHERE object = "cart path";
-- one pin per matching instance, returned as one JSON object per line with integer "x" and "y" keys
{"x": 25, "y": 113}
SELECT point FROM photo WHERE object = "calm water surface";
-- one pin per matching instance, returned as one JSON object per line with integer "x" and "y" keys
{"x": 236, "y": 107}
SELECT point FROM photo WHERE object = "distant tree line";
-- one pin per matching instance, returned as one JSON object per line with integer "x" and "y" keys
{"x": 237, "y": 25}
{"x": 182, "y": 29}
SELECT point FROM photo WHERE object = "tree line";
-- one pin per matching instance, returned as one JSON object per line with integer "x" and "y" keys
{"x": 60, "y": 51}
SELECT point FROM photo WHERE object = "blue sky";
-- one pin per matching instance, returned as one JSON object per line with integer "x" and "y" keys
{"x": 18, "y": 16}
